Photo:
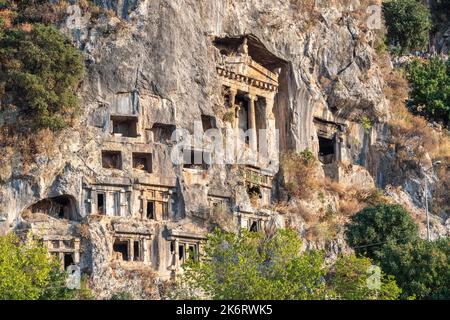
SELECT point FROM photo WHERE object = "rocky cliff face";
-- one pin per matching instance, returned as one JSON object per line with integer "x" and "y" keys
{"x": 151, "y": 66}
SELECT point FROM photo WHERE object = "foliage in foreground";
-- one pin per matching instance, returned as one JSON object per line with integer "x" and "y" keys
{"x": 387, "y": 234}
{"x": 258, "y": 266}
{"x": 430, "y": 89}
{"x": 28, "y": 273}
{"x": 421, "y": 268}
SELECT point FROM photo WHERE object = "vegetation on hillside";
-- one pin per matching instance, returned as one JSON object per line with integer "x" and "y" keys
{"x": 387, "y": 234}
{"x": 408, "y": 24}
{"x": 430, "y": 88}
{"x": 39, "y": 69}
{"x": 40, "y": 72}
{"x": 261, "y": 266}
{"x": 375, "y": 226}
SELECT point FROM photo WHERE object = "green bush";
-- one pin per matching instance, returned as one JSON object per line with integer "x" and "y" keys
{"x": 408, "y": 24}
{"x": 27, "y": 272}
{"x": 421, "y": 268}
{"x": 352, "y": 277}
{"x": 250, "y": 266}
{"x": 41, "y": 70}
{"x": 373, "y": 227}
{"x": 430, "y": 89}
{"x": 259, "y": 266}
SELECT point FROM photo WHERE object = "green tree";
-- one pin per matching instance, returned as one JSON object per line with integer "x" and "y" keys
{"x": 27, "y": 272}
{"x": 430, "y": 88}
{"x": 258, "y": 266}
{"x": 254, "y": 266}
{"x": 373, "y": 227}
{"x": 421, "y": 268}
{"x": 353, "y": 279}
{"x": 41, "y": 70}
{"x": 408, "y": 24}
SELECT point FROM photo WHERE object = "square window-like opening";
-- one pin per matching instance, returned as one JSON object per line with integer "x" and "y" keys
{"x": 196, "y": 159}
{"x": 111, "y": 159}
{"x": 162, "y": 133}
{"x": 120, "y": 249}
{"x": 125, "y": 126}
{"x": 208, "y": 122}
{"x": 142, "y": 161}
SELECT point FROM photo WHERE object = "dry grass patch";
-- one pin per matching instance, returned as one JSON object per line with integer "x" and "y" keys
{"x": 299, "y": 173}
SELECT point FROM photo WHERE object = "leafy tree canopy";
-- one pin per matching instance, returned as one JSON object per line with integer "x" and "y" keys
{"x": 408, "y": 24}
{"x": 421, "y": 268}
{"x": 260, "y": 266}
{"x": 39, "y": 68}
{"x": 355, "y": 278}
{"x": 373, "y": 227}
{"x": 27, "y": 272}
{"x": 430, "y": 88}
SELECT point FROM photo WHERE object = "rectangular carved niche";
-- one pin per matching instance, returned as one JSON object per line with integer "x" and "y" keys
{"x": 142, "y": 161}
{"x": 111, "y": 159}
{"x": 125, "y": 126}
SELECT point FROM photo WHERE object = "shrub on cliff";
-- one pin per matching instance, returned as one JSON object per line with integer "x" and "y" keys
{"x": 373, "y": 227}
{"x": 299, "y": 173}
{"x": 408, "y": 24}
{"x": 41, "y": 70}
{"x": 430, "y": 89}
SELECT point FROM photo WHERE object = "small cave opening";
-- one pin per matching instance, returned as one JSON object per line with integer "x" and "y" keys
{"x": 196, "y": 159}
{"x": 254, "y": 191}
{"x": 120, "y": 249}
{"x": 254, "y": 226}
{"x": 68, "y": 260}
{"x": 208, "y": 122}
{"x": 61, "y": 207}
{"x": 326, "y": 150}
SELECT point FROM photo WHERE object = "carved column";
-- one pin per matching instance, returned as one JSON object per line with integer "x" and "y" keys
{"x": 76, "y": 255}
{"x": 131, "y": 249}
{"x": 177, "y": 253}
{"x": 233, "y": 93}
{"x": 252, "y": 121}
